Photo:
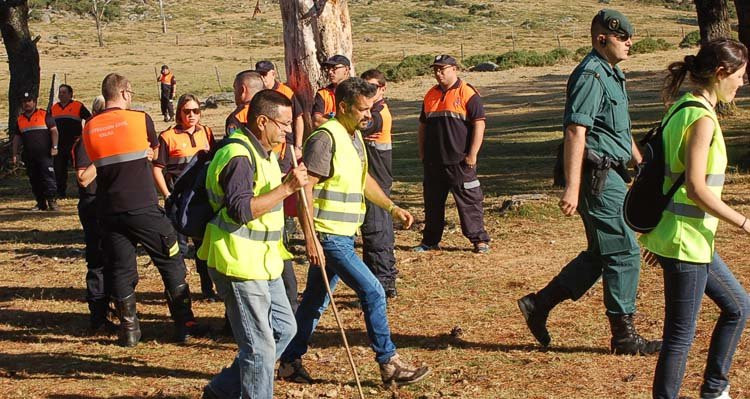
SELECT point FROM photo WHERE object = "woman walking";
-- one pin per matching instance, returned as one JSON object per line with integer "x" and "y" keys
{"x": 683, "y": 241}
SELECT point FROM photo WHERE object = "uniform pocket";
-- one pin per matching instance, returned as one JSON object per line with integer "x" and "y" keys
{"x": 613, "y": 236}
{"x": 170, "y": 246}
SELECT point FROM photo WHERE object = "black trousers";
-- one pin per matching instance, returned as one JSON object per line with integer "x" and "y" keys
{"x": 201, "y": 266}
{"x": 377, "y": 229}
{"x": 97, "y": 291}
{"x": 167, "y": 107}
{"x": 41, "y": 173}
{"x": 121, "y": 232}
{"x": 462, "y": 182}
{"x": 62, "y": 161}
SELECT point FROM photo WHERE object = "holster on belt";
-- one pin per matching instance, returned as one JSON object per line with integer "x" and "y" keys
{"x": 600, "y": 166}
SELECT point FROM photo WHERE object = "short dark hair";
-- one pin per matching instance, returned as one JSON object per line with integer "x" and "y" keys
{"x": 267, "y": 102}
{"x": 348, "y": 90}
{"x": 374, "y": 74}
{"x": 249, "y": 78}
{"x": 67, "y": 86}
{"x": 113, "y": 84}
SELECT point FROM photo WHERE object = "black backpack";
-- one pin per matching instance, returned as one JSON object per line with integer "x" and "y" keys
{"x": 187, "y": 207}
{"x": 645, "y": 201}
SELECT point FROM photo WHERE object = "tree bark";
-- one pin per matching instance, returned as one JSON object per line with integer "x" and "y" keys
{"x": 313, "y": 31}
{"x": 713, "y": 19}
{"x": 98, "y": 21}
{"x": 23, "y": 57}
{"x": 743, "y": 21}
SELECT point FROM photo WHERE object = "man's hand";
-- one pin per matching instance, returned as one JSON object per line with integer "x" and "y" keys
{"x": 53, "y": 151}
{"x": 471, "y": 160}
{"x": 297, "y": 152}
{"x": 372, "y": 137}
{"x": 150, "y": 154}
{"x": 569, "y": 201}
{"x": 14, "y": 160}
{"x": 297, "y": 178}
{"x": 315, "y": 252}
{"x": 403, "y": 216}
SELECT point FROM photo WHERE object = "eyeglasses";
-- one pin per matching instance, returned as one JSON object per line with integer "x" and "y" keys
{"x": 279, "y": 124}
{"x": 335, "y": 67}
{"x": 131, "y": 92}
{"x": 194, "y": 111}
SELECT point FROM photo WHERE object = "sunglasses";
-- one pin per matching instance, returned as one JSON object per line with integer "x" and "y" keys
{"x": 194, "y": 111}
{"x": 623, "y": 37}
{"x": 333, "y": 68}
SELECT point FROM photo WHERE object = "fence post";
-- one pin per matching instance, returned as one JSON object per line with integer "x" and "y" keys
{"x": 218, "y": 79}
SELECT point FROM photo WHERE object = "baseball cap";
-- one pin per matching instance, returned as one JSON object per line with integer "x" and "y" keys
{"x": 443, "y": 60}
{"x": 614, "y": 21}
{"x": 28, "y": 95}
{"x": 264, "y": 66}
{"x": 337, "y": 59}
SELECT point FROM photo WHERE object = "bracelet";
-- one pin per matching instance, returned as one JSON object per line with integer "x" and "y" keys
{"x": 392, "y": 207}
{"x": 742, "y": 226}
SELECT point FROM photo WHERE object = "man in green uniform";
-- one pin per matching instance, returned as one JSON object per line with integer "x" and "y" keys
{"x": 598, "y": 145}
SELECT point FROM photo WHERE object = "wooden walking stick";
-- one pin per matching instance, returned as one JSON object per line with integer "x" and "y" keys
{"x": 158, "y": 84}
{"x": 311, "y": 226}
{"x": 51, "y": 93}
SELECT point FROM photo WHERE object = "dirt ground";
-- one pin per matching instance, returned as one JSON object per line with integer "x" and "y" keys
{"x": 456, "y": 310}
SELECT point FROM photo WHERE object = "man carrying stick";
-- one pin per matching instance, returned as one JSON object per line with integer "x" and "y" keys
{"x": 338, "y": 184}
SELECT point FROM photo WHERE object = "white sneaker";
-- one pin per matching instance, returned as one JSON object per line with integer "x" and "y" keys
{"x": 724, "y": 395}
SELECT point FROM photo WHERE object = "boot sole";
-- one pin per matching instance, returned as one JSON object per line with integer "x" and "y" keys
{"x": 524, "y": 307}
{"x": 414, "y": 381}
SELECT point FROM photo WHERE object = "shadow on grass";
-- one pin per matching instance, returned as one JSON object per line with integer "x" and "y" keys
{"x": 76, "y": 366}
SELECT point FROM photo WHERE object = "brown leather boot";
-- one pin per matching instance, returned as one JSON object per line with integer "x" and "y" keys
{"x": 399, "y": 372}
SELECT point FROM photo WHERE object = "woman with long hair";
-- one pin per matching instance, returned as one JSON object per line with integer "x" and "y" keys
{"x": 683, "y": 241}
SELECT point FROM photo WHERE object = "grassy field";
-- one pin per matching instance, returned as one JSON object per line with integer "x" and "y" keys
{"x": 456, "y": 310}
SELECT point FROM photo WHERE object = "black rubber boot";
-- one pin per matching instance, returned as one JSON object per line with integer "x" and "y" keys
{"x": 98, "y": 322}
{"x": 536, "y": 307}
{"x": 130, "y": 330}
{"x": 180, "y": 307}
{"x": 52, "y": 205}
{"x": 626, "y": 340}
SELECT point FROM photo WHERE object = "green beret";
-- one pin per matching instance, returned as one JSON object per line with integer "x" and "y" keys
{"x": 614, "y": 21}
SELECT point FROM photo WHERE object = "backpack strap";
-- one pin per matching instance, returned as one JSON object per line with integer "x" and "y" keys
{"x": 681, "y": 179}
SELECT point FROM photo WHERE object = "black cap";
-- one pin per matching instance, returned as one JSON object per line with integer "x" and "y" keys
{"x": 28, "y": 95}
{"x": 163, "y": 67}
{"x": 264, "y": 66}
{"x": 614, "y": 21}
{"x": 337, "y": 59}
{"x": 443, "y": 60}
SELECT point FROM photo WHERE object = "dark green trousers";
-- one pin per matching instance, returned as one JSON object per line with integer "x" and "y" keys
{"x": 612, "y": 253}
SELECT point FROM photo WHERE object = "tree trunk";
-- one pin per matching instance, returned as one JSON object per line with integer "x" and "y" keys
{"x": 97, "y": 18}
{"x": 23, "y": 57}
{"x": 713, "y": 19}
{"x": 313, "y": 31}
{"x": 743, "y": 21}
{"x": 163, "y": 17}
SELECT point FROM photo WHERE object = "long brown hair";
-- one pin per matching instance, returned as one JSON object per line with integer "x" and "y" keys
{"x": 720, "y": 53}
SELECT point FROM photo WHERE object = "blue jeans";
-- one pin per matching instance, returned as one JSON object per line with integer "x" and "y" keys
{"x": 342, "y": 263}
{"x": 684, "y": 285}
{"x": 262, "y": 323}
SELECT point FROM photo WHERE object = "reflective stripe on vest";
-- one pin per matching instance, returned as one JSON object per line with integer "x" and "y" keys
{"x": 685, "y": 231}
{"x": 71, "y": 111}
{"x": 116, "y": 136}
{"x": 253, "y": 251}
{"x": 339, "y": 203}
{"x": 37, "y": 121}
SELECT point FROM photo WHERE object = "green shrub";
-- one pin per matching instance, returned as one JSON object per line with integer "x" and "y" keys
{"x": 649, "y": 45}
{"x": 692, "y": 39}
{"x": 433, "y": 17}
{"x": 513, "y": 59}
{"x": 475, "y": 8}
{"x": 560, "y": 54}
{"x": 582, "y": 51}
{"x": 409, "y": 67}
{"x": 449, "y": 3}
{"x": 478, "y": 59}
{"x": 80, "y": 7}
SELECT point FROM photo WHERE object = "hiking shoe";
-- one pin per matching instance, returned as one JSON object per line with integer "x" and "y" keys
{"x": 398, "y": 372}
{"x": 294, "y": 372}
{"x": 536, "y": 319}
{"x": 39, "y": 207}
{"x": 52, "y": 205}
{"x": 424, "y": 248}
{"x": 722, "y": 395}
{"x": 481, "y": 248}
